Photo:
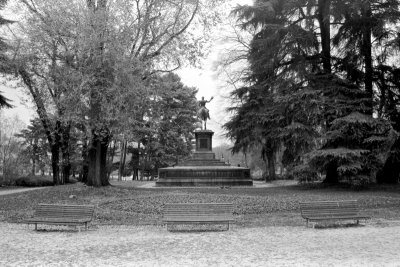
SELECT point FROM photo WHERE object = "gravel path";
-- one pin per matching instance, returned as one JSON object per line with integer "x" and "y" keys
{"x": 18, "y": 190}
{"x": 370, "y": 245}
{"x": 152, "y": 184}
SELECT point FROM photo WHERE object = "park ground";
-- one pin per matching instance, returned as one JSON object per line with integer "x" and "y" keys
{"x": 127, "y": 229}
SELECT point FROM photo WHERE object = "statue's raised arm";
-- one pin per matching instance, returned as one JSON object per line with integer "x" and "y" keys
{"x": 203, "y": 112}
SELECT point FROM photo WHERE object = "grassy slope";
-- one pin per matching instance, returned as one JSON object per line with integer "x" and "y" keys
{"x": 253, "y": 206}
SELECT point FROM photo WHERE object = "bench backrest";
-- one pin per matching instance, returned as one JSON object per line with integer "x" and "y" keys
{"x": 64, "y": 211}
{"x": 329, "y": 208}
{"x": 181, "y": 211}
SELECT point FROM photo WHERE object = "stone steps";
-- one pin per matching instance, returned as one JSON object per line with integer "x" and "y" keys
{"x": 204, "y": 182}
{"x": 194, "y": 162}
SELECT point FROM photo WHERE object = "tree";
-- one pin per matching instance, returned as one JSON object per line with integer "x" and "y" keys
{"x": 4, "y": 61}
{"x": 10, "y": 148}
{"x": 281, "y": 54}
{"x": 296, "y": 92}
{"x": 154, "y": 41}
{"x": 353, "y": 150}
{"x": 35, "y": 145}
{"x": 361, "y": 24}
{"x": 97, "y": 56}
{"x": 174, "y": 120}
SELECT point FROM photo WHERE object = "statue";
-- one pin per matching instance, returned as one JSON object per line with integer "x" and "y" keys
{"x": 203, "y": 112}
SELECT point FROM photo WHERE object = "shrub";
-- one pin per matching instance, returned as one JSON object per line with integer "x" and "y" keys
{"x": 354, "y": 149}
{"x": 34, "y": 181}
{"x": 304, "y": 174}
{"x": 7, "y": 180}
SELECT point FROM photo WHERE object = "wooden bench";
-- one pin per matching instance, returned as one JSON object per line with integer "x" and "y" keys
{"x": 331, "y": 210}
{"x": 198, "y": 213}
{"x": 62, "y": 215}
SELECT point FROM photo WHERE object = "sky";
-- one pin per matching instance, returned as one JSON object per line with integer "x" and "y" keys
{"x": 204, "y": 78}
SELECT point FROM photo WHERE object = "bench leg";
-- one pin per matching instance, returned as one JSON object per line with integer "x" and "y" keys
{"x": 85, "y": 226}
{"x": 307, "y": 223}
{"x": 228, "y": 226}
{"x": 35, "y": 226}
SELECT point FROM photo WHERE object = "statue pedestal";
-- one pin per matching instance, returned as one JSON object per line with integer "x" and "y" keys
{"x": 203, "y": 169}
{"x": 203, "y": 140}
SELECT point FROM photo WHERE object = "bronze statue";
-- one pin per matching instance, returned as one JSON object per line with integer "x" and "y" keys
{"x": 203, "y": 112}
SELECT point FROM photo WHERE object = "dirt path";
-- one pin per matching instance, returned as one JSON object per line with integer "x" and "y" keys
{"x": 371, "y": 245}
{"x": 18, "y": 190}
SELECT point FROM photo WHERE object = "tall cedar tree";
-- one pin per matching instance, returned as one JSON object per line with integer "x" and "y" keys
{"x": 291, "y": 64}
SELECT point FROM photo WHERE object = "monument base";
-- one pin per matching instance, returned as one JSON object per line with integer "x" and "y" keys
{"x": 204, "y": 176}
{"x": 203, "y": 169}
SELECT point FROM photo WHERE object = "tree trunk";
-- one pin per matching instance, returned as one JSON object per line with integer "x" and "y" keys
{"x": 332, "y": 176}
{"x": 271, "y": 167}
{"x": 366, "y": 51}
{"x": 136, "y": 164}
{"x": 97, "y": 154}
{"x": 390, "y": 174}
{"x": 103, "y": 161}
{"x": 97, "y": 174}
{"x": 33, "y": 172}
{"x": 111, "y": 160}
{"x": 54, "y": 141}
{"x": 83, "y": 175}
{"x": 324, "y": 23}
{"x": 93, "y": 178}
{"x": 122, "y": 160}
{"x": 66, "y": 166}
{"x": 55, "y": 159}
{"x": 34, "y": 152}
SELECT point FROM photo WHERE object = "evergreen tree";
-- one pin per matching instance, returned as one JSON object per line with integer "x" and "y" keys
{"x": 296, "y": 97}
{"x": 36, "y": 146}
{"x": 172, "y": 119}
{"x": 353, "y": 149}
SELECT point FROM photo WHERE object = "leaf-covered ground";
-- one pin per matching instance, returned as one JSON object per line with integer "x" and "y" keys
{"x": 253, "y": 206}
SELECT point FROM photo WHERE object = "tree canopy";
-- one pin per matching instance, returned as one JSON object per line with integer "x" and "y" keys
{"x": 302, "y": 85}
{"x": 92, "y": 64}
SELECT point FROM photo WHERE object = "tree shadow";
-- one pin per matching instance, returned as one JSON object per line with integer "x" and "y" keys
{"x": 338, "y": 225}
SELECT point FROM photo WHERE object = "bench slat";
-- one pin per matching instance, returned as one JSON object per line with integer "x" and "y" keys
{"x": 62, "y": 214}
{"x": 197, "y": 213}
{"x": 330, "y": 210}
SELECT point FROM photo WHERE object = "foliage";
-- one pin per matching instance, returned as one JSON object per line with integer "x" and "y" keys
{"x": 304, "y": 174}
{"x": 354, "y": 148}
{"x": 11, "y": 152}
{"x": 296, "y": 89}
{"x": 35, "y": 145}
{"x": 4, "y": 61}
{"x": 34, "y": 181}
{"x": 171, "y": 121}
{"x": 92, "y": 64}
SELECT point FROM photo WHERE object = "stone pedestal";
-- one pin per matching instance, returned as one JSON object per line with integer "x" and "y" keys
{"x": 203, "y": 169}
{"x": 203, "y": 140}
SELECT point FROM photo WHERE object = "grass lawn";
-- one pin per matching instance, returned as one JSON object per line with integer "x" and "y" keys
{"x": 253, "y": 206}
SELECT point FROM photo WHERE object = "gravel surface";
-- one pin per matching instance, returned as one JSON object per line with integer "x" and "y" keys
{"x": 375, "y": 244}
